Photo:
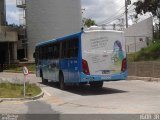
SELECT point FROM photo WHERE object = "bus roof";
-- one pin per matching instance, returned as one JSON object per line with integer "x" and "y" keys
{"x": 58, "y": 39}
{"x": 113, "y": 31}
{"x": 72, "y": 35}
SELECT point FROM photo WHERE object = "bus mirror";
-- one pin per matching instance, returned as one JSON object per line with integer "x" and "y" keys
{"x": 34, "y": 55}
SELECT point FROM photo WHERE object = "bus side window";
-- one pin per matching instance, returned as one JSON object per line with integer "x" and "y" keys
{"x": 50, "y": 52}
{"x": 40, "y": 53}
{"x": 73, "y": 48}
{"x": 47, "y": 54}
{"x": 35, "y": 54}
{"x": 44, "y": 52}
{"x": 64, "y": 49}
{"x": 56, "y": 51}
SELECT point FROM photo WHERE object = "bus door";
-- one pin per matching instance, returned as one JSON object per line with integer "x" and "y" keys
{"x": 44, "y": 62}
{"x": 64, "y": 61}
{"x": 73, "y": 61}
{"x": 64, "y": 65}
{"x": 69, "y": 59}
{"x": 51, "y": 70}
{"x": 53, "y": 62}
{"x": 73, "y": 70}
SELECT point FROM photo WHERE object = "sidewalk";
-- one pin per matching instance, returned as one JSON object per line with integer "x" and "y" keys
{"x": 18, "y": 77}
{"x": 143, "y": 78}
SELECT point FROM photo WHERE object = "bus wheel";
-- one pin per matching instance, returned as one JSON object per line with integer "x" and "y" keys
{"x": 44, "y": 81}
{"x": 61, "y": 81}
{"x": 97, "y": 84}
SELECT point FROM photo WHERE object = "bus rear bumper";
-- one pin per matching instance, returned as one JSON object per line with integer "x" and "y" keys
{"x": 114, "y": 77}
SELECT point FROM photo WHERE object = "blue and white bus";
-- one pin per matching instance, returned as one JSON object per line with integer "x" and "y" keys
{"x": 90, "y": 57}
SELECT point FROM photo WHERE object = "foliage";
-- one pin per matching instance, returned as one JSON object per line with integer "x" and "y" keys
{"x": 89, "y": 22}
{"x": 131, "y": 57}
{"x": 144, "y": 6}
{"x": 13, "y": 25}
{"x": 152, "y": 52}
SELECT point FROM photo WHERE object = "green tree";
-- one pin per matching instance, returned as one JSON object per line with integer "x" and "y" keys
{"x": 89, "y": 22}
{"x": 144, "y": 6}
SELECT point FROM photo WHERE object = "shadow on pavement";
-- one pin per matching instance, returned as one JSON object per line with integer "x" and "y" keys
{"x": 86, "y": 90}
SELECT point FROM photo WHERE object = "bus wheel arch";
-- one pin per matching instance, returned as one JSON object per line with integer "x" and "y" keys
{"x": 44, "y": 81}
{"x": 61, "y": 80}
{"x": 41, "y": 74}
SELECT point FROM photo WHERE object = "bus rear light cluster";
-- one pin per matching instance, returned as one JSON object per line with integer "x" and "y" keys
{"x": 85, "y": 67}
{"x": 124, "y": 65}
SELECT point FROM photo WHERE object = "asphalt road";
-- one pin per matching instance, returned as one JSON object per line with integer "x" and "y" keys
{"x": 122, "y": 97}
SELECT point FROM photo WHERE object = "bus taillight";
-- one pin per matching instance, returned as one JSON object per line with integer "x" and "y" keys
{"x": 85, "y": 67}
{"x": 124, "y": 65}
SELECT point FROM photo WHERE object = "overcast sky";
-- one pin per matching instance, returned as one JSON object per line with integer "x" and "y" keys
{"x": 12, "y": 12}
{"x": 99, "y": 10}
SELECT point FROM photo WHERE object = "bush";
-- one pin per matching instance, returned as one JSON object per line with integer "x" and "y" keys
{"x": 152, "y": 52}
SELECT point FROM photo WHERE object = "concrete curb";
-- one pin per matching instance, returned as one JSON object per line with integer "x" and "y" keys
{"x": 22, "y": 99}
{"x": 143, "y": 78}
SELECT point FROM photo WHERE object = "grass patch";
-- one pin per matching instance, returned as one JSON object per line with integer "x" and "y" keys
{"x": 10, "y": 90}
{"x": 131, "y": 57}
{"x": 150, "y": 53}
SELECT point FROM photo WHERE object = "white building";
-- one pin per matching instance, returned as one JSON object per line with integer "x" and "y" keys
{"x": 139, "y": 35}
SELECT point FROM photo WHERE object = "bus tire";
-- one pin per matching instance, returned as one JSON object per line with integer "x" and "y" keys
{"x": 61, "y": 81}
{"x": 44, "y": 81}
{"x": 97, "y": 84}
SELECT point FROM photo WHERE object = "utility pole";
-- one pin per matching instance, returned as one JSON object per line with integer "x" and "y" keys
{"x": 114, "y": 26}
{"x": 127, "y": 2}
{"x": 158, "y": 14}
{"x": 121, "y": 23}
{"x": 83, "y": 19}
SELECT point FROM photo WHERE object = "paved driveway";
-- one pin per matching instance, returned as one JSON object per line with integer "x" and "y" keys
{"x": 126, "y": 97}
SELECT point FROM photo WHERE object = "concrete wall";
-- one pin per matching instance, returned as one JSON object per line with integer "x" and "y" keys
{"x": 7, "y": 36}
{"x": 138, "y": 35}
{"x": 48, "y": 19}
{"x": 144, "y": 69}
{"x": 8, "y": 44}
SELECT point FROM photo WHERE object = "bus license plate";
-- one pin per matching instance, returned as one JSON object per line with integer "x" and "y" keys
{"x": 106, "y": 77}
{"x": 105, "y": 72}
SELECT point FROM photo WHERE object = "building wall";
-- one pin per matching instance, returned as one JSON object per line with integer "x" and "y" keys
{"x": 49, "y": 19}
{"x": 8, "y": 45}
{"x": 8, "y": 36}
{"x": 138, "y": 35}
{"x": 8, "y": 39}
